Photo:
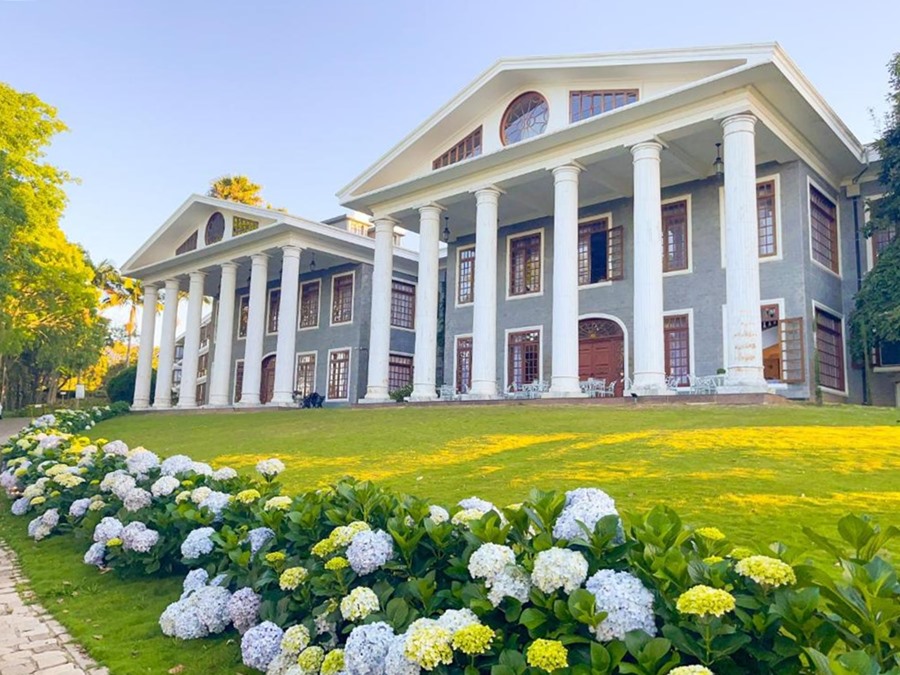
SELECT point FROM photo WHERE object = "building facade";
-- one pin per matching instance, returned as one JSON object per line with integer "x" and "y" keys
{"x": 643, "y": 218}
{"x": 277, "y": 307}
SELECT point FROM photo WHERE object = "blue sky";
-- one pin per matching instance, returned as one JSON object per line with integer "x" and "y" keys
{"x": 163, "y": 96}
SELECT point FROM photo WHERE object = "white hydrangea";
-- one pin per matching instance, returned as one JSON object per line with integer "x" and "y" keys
{"x": 176, "y": 465}
{"x": 164, "y": 486}
{"x": 584, "y": 505}
{"x": 438, "y": 514}
{"x": 513, "y": 582}
{"x": 489, "y": 560}
{"x": 269, "y": 468}
{"x": 367, "y": 648}
{"x": 477, "y": 503}
{"x": 136, "y": 499}
{"x": 627, "y": 603}
{"x": 558, "y": 568}
{"x": 225, "y": 473}
{"x": 119, "y": 448}
{"x": 360, "y": 602}
{"x": 141, "y": 461}
{"x": 138, "y": 537}
{"x": 198, "y": 495}
{"x": 456, "y": 619}
{"x": 202, "y": 469}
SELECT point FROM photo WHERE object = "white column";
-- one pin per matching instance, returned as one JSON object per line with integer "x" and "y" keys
{"x": 484, "y": 317}
{"x": 743, "y": 360}
{"x": 144, "y": 373}
{"x": 565, "y": 282}
{"x": 380, "y": 326}
{"x": 220, "y": 373}
{"x": 286, "y": 347}
{"x": 256, "y": 330}
{"x": 187, "y": 395}
{"x": 649, "y": 342}
{"x": 424, "y": 362}
{"x": 163, "y": 396}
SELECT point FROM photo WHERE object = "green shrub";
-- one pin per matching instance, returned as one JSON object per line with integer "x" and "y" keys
{"x": 400, "y": 395}
{"x": 121, "y": 386}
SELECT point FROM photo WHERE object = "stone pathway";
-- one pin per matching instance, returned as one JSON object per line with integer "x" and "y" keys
{"x": 31, "y": 641}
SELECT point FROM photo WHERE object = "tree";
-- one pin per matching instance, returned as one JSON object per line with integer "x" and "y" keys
{"x": 119, "y": 291}
{"x": 876, "y": 317}
{"x": 236, "y": 189}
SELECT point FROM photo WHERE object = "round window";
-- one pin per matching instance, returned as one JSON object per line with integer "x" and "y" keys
{"x": 525, "y": 117}
{"x": 215, "y": 228}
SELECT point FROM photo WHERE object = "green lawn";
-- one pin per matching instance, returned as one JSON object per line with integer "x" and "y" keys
{"x": 759, "y": 473}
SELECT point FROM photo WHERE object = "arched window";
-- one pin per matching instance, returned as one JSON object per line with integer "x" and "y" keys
{"x": 525, "y": 117}
{"x": 215, "y": 228}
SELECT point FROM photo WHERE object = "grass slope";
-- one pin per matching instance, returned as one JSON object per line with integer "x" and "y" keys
{"x": 759, "y": 473}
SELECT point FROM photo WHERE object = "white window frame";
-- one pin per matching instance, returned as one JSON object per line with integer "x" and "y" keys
{"x": 776, "y": 178}
{"x": 459, "y": 250}
{"x": 522, "y": 329}
{"x": 334, "y": 278}
{"x": 609, "y": 225}
{"x": 825, "y": 308}
{"x": 829, "y": 194}
{"x": 318, "y": 304}
{"x": 269, "y": 307}
{"x": 328, "y": 372}
{"x": 297, "y": 356}
{"x": 690, "y": 233}
{"x": 456, "y": 355}
{"x": 415, "y": 287}
{"x": 237, "y": 327}
{"x": 692, "y": 370}
{"x": 509, "y": 240}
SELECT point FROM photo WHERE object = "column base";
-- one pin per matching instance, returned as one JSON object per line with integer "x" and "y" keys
{"x": 479, "y": 396}
{"x": 162, "y": 406}
{"x": 374, "y": 400}
{"x": 376, "y": 394}
{"x": 140, "y": 405}
{"x": 219, "y": 403}
{"x": 244, "y": 403}
{"x": 743, "y": 388}
{"x": 187, "y": 405}
{"x": 423, "y": 394}
{"x": 564, "y": 394}
{"x": 282, "y": 400}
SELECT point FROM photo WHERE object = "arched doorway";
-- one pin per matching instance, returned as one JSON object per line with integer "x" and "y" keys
{"x": 601, "y": 351}
{"x": 267, "y": 380}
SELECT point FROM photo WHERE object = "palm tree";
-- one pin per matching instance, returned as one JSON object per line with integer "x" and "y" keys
{"x": 237, "y": 189}
{"x": 119, "y": 291}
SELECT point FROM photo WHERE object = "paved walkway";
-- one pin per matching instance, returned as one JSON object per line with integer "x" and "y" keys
{"x": 30, "y": 640}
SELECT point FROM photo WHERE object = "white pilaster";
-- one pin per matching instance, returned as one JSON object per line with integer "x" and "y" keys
{"x": 565, "y": 282}
{"x": 649, "y": 342}
{"x": 743, "y": 360}
{"x": 380, "y": 326}
{"x": 286, "y": 346}
{"x": 144, "y": 373}
{"x": 484, "y": 313}
{"x": 163, "y": 395}
{"x": 220, "y": 373}
{"x": 256, "y": 330}
{"x": 424, "y": 362}
{"x": 187, "y": 396}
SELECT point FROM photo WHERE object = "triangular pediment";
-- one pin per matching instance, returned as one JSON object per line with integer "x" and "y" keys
{"x": 482, "y": 104}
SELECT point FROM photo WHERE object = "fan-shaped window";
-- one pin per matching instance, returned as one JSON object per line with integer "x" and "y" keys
{"x": 525, "y": 117}
{"x": 215, "y": 228}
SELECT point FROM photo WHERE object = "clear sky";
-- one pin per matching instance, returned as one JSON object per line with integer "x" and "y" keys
{"x": 164, "y": 95}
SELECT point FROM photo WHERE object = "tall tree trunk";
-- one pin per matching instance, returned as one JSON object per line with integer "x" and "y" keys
{"x": 132, "y": 317}
{"x": 52, "y": 388}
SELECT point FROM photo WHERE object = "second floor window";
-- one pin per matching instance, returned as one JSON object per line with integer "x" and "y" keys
{"x": 676, "y": 245}
{"x": 309, "y": 304}
{"x": 342, "y": 299}
{"x": 600, "y": 252}
{"x": 465, "y": 276}
{"x": 403, "y": 305}
{"x": 880, "y": 241}
{"x": 525, "y": 265}
{"x": 765, "y": 218}
{"x": 274, "y": 306}
{"x": 470, "y": 146}
{"x": 823, "y": 226}
{"x": 584, "y": 104}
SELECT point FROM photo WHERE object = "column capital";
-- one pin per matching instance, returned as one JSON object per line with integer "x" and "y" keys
{"x": 646, "y": 150}
{"x": 229, "y": 265}
{"x": 385, "y": 224}
{"x": 291, "y": 251}
{"x": 431, "y": 209}
{"x": 567, "y": 171}
{"x": 489, "y": 192}
{"x": 742, "y": 122}
{"x": 384, "y": 219}
{"x": 197, "y": 275}
{"x": 259, "y": 259}
{"x": 173, "y": 284}
{"x": 152, "y": 289}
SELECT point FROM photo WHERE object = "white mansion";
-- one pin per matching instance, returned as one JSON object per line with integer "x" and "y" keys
{"x": 645, "y": 219}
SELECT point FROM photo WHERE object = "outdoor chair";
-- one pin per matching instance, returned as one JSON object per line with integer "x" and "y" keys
{"x": 607, "y": 390}
{"x": 702, "y": 385}
{"x": 448, "y": 393}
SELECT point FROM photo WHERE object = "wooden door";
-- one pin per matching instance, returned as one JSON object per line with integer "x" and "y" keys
{"x": 601, "y": 352}
{"x": 267, "y": 380}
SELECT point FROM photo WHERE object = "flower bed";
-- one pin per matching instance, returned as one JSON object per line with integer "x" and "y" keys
{"x": 356, "y": 580}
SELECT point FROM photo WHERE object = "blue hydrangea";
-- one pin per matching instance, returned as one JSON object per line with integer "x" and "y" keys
{"x": 627, "y": 603}
{"x": 20, "y": 506}
{"x": 478, "y": 504}
{"x": 79, "y": 507}
{"x": 141, "y": 462}
{"x": 197, "y": 543}
{"x": 203, "y": 612}
{"x": 138, "y": 537}
{"x": 8, "y": 481}
{"x": 259, "y": 537}
{"x": 108, "y": 528}
{"x": 136, "y": 499}
{"x": 396, "y": 663}
{"x": 369, "y": 550}
{"x": 367, "y": 648}
{"x": 195, "y": 580}
{"x": 243, "y": 609}
{"x": 260, "y": 645}
{"x": 583, "y": 505}
{"x": 95, "y": 554}
{"x": 211, "y": 603}
{"x": 44, "y": 421}
{"x": 216, "y": 502}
